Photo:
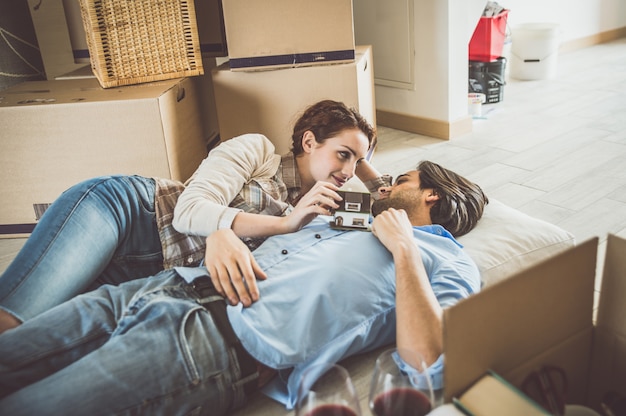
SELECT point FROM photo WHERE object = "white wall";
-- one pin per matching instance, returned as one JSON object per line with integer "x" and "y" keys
{"x": 577, "y": 18}
{"x": 442, "y": 32}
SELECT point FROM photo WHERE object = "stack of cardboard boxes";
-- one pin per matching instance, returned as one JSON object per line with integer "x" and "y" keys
{"x": 284, "y": 56}
{"x": 58, "y": 132}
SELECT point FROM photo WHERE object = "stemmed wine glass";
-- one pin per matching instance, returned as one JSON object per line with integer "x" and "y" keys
{"x": 327, "y": 390}
{"x": 398, "y": 389}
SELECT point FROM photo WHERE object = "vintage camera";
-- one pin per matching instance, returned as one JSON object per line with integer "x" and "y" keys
{"x": 353, "y": 212}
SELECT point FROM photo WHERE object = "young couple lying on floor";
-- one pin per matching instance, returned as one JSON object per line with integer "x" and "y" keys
{"x": 249, "y": 285}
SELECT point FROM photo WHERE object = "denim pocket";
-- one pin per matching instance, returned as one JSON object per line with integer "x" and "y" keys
{"x": 207, "y": 359}
{"x": 133, "y": 266}
{"x": 189, "y": 360}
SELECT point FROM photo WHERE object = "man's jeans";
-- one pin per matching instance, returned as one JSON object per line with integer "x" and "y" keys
{"x": 144, "y": 347}
{"x": 99, "y": 231}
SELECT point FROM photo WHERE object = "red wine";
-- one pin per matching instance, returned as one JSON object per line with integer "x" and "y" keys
{"x": 401, "y": 402}
{"x": 331, "y": 410}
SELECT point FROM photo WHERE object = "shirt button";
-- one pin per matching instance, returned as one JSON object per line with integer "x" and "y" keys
{"x": 284, "y": 251}
{"x": 189, "y": 260}
{"x": 318, "y": 236}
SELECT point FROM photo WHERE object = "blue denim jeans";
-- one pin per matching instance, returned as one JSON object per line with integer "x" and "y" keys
{"x": 102, "y": 230}
{"x": 143, "y": 347}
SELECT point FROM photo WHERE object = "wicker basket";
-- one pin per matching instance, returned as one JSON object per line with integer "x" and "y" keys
{"x": 136, "y": 41}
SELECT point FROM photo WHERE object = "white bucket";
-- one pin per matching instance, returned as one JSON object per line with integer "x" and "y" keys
{"x": 534, "y": 51}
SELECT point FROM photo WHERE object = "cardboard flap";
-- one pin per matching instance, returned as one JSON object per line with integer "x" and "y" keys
{"x": 78, "y": 90}
{"x": 608, "y": 368}
{"x": 520, "y": 317}
{"x": 612, "y": 308}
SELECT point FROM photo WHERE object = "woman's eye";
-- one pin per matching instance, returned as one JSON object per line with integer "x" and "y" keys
{"x": 344, "y": 155}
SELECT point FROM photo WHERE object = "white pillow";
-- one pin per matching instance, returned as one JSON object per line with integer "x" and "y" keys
{"x": 506, "y": 240}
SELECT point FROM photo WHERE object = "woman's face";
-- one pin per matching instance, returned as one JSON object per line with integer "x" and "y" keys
{"x": 335, "y": 159}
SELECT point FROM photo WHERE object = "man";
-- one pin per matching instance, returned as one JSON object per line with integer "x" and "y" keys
{"x": 165, "y": 346}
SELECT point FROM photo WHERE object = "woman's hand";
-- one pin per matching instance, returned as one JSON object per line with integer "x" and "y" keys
{"x": 232, "y": 267}
{"x": 320, "y": 200}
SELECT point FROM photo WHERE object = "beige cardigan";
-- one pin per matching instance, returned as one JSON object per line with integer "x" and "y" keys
{"x": 203, "y": 208}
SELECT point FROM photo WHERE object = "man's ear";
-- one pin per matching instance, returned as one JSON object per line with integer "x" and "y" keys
{"x": 308, "y": 141}
{"x": 432, "y": 196}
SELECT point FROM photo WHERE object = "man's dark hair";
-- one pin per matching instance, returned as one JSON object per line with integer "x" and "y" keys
{"x": 461, "y": 202}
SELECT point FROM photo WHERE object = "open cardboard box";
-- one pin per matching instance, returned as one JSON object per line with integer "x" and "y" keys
{"x": 544, "y": 316}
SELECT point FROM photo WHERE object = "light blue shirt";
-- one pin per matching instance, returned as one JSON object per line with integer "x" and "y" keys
{"x": 330, "y": 294}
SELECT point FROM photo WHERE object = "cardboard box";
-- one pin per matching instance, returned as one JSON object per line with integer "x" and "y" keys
{"x": 57, "y": 133}
{"x": 544, "y": 316}
{"x": 269, "y": 102}
{"x": 202, "y": 84}
{"x": 211, "y": 30}
{"x": 53, "y": 37}
{"x": 265, "y": 34}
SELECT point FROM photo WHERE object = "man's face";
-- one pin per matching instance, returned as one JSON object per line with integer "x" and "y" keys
{"x": 405, "y": 193}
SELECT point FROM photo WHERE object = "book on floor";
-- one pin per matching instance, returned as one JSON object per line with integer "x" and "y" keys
{"x": 491, "y": 395}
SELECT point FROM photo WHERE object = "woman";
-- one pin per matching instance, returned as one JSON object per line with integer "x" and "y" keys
{"x": 118, "y": 228}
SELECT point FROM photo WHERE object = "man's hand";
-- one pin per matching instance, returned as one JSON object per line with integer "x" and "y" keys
{"x": 393, "y": 228}
{"x": 232, "y": 267}
{"x": 419, "y": 316}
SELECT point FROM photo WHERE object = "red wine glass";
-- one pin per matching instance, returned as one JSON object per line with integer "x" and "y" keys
{"x": 400, "y": 389}
{"x": 327, "y": 390}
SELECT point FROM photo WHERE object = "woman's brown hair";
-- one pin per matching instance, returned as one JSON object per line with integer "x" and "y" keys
{"x": 327, "y": 119}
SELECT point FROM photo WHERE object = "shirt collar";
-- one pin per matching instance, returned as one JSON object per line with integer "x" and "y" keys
{"x": 437, "y": 229}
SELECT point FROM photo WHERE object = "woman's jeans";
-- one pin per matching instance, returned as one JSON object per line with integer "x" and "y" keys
{"x": 99, "y": 231}
{"x": 144, "y": 347}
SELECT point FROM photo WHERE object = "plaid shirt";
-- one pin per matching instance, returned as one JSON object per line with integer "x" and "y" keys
{"x": 269, "y": 196}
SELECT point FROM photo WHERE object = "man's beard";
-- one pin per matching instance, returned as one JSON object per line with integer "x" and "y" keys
{"x": 406, "y": 200}
{"x": 380, "y": 205}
